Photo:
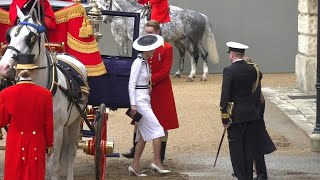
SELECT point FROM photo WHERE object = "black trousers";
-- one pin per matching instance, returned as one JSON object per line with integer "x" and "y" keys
{"x": 242, "y": 145}
{"x": 260, "y": 166}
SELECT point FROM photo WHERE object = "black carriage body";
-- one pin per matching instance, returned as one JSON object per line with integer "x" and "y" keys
{"x": 111, "y": 88}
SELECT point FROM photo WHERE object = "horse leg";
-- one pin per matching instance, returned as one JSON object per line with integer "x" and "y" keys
{"x": 53, "y": 161}
{"x": 182, "y": 52}
{"x": 194, "y": 56}
{"x": 73, "y": 137}
{"x": 204, "y": 56}
{"x": 125, "y": 47}
{"x": 64, "y": 151}
{"x": 122, "y": 49}
{"x": 118, "y": 30}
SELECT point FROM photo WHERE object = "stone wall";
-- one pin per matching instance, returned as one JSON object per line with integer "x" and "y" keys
{"x": 306, "y": 59}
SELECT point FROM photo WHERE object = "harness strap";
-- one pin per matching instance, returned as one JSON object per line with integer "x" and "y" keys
{"x": 14, "y": 49}
{"x": 76, "y": 103}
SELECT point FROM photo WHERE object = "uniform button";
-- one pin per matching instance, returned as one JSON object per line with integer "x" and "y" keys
{"x": 35, "y": 158}
{"x": 34, "y": 132}
{"x": 21, "y": 133}
{"x": 23, "y": 158}
{"x": 35, "y": 149}
{"x": 22, "y": 149}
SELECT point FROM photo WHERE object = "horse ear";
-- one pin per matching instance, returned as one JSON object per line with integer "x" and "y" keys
{"x": 20, "y": 14}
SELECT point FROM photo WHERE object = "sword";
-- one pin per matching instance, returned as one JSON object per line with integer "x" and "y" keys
{"x": 229, "y": 110}
{"x": 215, "y": 161}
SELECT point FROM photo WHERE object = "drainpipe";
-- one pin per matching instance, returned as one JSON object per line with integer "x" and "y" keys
{"x": 315, "y": 136}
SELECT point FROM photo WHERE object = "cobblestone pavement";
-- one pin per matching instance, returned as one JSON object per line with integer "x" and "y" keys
{"x": 299, "y": 107}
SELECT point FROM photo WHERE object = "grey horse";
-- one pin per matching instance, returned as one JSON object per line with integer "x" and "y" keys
{"x": 186, "y": 30}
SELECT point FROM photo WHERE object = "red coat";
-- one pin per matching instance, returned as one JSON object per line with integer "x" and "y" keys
{"x": 160, "y": 10}
{"x": 49, "y": 18}
{"x": 27, "y": 108}
{"x": 162, "y": 99}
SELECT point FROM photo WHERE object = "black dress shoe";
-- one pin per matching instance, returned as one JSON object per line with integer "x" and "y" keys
{"x": 129, "y": 154}
{"x": 262, "y": 177}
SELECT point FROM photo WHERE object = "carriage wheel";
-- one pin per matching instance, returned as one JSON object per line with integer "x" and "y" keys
{"x": 100, "y": 143}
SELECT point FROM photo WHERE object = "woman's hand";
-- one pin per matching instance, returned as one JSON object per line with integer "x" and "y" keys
{"x": 133, "y": 110}
{"x": 49, "y": 151}
{"x": 150, "y": 90}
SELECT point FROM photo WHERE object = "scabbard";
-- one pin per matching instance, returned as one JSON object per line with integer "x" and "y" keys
{"x": 215, "y": 161}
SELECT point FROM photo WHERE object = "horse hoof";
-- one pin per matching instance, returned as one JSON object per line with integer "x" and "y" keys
{"x": 204, "y": 79}
{"x": 194, "y": 76}
{"x": 177, "y": 76}
{"x": 189, "y": 79}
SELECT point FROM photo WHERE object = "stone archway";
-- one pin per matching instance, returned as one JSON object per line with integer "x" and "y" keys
{"x": 306, "y": 59}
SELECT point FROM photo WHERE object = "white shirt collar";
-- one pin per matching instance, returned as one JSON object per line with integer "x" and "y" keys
{"x": 24, "y": 79}
{"x": 237, "y": 60}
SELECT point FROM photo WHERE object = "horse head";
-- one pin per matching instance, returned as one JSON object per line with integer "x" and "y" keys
{"x": 109, "y": 6}
{"x": 23, "y": 38}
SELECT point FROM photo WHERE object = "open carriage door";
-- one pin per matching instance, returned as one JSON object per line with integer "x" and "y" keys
{"x": 112, "y": 88}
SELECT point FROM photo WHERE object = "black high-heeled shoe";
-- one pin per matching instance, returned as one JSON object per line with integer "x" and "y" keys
{"x": 131, "y": 170}
{"x": 161, "y": 171}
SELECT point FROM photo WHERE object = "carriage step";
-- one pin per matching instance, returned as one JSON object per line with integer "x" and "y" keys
{"x": 113, "y": 155}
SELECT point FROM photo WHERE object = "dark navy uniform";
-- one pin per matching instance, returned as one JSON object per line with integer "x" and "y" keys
{"x": 238, "y": 84}
{"x": 264, "y": 146}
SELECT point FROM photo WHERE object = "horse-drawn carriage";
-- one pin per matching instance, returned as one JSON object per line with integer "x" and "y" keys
{"x": 109, "y": 90}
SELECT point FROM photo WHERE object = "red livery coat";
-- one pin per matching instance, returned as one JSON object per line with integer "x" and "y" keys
{"x": 160, "y": 10}
{"x": 49, "y": 18}
{"x": 162, "y": 99}
{"x": 27, "y": 108}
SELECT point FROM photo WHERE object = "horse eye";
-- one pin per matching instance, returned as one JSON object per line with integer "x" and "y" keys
{"x": 14, "y": 56}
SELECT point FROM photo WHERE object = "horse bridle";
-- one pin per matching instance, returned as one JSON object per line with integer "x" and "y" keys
{"x": 31, "y": 37}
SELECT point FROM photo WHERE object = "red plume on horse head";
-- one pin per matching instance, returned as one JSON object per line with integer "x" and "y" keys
{"x": 49, "y": 18}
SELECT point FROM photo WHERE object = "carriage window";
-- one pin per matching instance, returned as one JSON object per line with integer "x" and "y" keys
{"x": 108, "y": 44}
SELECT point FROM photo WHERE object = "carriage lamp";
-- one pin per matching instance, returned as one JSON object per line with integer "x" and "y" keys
{"x": 96, "y": 19}
{"x": 77, "y": 1}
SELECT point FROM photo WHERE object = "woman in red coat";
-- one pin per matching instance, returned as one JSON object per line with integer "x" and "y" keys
{"x": 159, "y": 10}
{"x": 27, "y": 108}
{"x": 162, "y": 99}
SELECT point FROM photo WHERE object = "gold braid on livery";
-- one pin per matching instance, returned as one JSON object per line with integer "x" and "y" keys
{"x": 74, "y": 29}
{"x": 226, "y": 114}
{"x": 4, "y": 26}
{"x": 4, "y": 17}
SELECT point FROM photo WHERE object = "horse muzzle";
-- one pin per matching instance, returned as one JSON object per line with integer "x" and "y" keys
{"x": 6, "y": 71}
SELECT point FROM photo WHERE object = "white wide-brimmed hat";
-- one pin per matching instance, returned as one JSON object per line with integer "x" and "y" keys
{"x": 236, "y": 47}
{"x": 148, "y": 42}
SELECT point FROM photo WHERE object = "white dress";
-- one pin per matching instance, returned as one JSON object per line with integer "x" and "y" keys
{"x": 148, "y": 126}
